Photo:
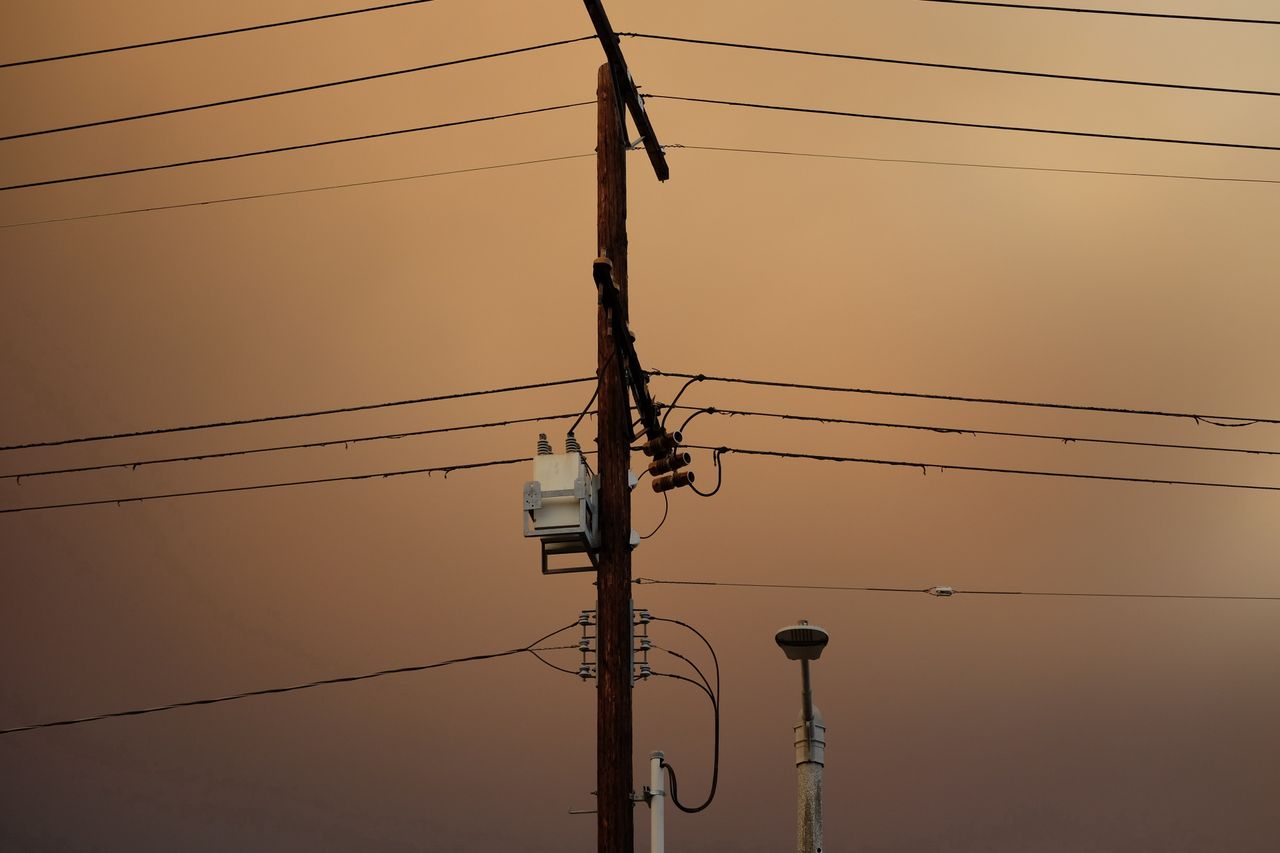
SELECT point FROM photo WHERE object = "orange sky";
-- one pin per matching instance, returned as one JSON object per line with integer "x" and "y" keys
{"x": 964, "y": 724}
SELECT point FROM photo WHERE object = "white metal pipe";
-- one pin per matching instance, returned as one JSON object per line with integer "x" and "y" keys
{"x": 657, "y": 800}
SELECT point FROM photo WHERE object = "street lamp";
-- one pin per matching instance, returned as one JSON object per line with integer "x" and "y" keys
{"x": 805, "y": 642}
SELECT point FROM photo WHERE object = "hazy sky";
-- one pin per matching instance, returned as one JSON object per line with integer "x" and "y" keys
{"x": 969, "y": 724}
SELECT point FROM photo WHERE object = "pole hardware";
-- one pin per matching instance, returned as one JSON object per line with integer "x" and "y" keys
{"x": 670, "y": 463}
{"x": 662, "y": 444}
{"x": 641, "y": 643}
{"x": 677, "y": 480}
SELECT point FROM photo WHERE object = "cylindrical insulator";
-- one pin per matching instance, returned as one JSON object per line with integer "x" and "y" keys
{"x": 673, "y": 481}
{"x": 669, "y": 463}
{"x": 544, "y": 446}
{"x": 571, "y": 444}
{"x": 662, "y": 445}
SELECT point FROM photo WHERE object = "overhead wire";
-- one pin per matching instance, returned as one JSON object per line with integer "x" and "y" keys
{"x": 140, "y": 463}
{"x": 304, "y": 190}
{"x": 696, "y": 668}
{"x": 821, "y": 54}
{"x": 715, "y": 706}
{"x": 666, "y": 508}
{"x": 543, "y": 660}
{"x": 294, "y": 90}
{"x": 964, "y": 124}
{"x": 1000, "y": 166}
{"x": 214, "y": 34}
{"x": 272, "y": 691}
{"x": 715, "y": 771}
{"x": 1125, "y": 13}
{"x": 710, "y": 148}
{"x": 956, "y": 591}
{"x": 298, "y": 147}
{"x": 710, "y": 648}
{"x": 377, "y": 475}
{"x": 337, "y": 410}
{"x": 925, "y": 467}
{"x": 955, "y": 430}
{"x": 1215, "y": 420}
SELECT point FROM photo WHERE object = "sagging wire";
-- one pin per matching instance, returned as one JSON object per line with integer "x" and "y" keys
{"x": 715, "y": 762}
{"x": 719, "y": 466}
{"x": 534, "y": 652}
{"x": 708, "y": 410}
{"x": 715, "y": 705}
{"x": 666, "y": 508}
{"x": 671, "y": 406}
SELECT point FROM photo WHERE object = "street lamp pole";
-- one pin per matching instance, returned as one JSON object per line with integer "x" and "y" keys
{"x": 805, "y": 642}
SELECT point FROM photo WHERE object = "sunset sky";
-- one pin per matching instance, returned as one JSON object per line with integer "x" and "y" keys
{"x": 971, "y": 724}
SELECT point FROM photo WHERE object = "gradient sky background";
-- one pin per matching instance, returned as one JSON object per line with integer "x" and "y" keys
{"x": 967, "y": 724}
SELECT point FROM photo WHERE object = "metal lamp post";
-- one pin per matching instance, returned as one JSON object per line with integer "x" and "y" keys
{"x": 805, "y": 642}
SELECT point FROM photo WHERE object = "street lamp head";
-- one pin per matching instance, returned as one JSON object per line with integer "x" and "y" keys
{"x": 802, "y": 641}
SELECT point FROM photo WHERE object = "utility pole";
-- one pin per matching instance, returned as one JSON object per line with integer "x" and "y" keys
{"x": 614, "y": 820}
{"x": 616, "y": 363}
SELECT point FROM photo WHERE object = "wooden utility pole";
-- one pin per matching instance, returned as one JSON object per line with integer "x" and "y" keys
{"x": 616, "y": 95}
{"x": 613, "y": 582}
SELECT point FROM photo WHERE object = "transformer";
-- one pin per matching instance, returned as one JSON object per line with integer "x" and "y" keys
{"x": 561, "y": 506}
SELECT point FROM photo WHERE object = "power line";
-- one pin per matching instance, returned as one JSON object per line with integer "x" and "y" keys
{"x": 532, "y": 648}
{"x": 235, "y": 31}
{"x": 952, "y": 430}
{"x": 1105, "y": 12}
{"x": 297, "y": 90}
{"x": 377, "y": 475}
{"x": 715, "y": 705}
{"x": 808, "y": 154}
{"x": 821, "y": 156}
{"x": 303, "y": 191}
{"x": 969, "y": 124}
{"x": 1215, "y": 420}
{"x": 949, "y": 66}
{"x": 938, "y": 591}
{"x": 302, "y": 146}
{"x": 364, "y": 407}
{"x": 925, "y": 466}
{"x": 283, "y": 447}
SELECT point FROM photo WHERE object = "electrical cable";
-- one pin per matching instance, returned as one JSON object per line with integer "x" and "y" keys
{"x": 1215, "y": 420}
{"x": 703, "y": 410}
{"x": 1167, "y": 15}
{"x": 284, "y": 447}
{"x": 672, "y": 405}
{"x": 302, "y": 191}
{"x": 715, "y": 767}
{"x": 594, "y": 391}
{"x": 296, "y": 415}
{"x": 925, "y": 466}
{"x": 966, "y": 124}
{"x": 953, "y": 430}
{"x": 445, "y": 469}
{"x": 948, "y": 66}
{"x": 674, "y": 653}
{"x": 715, "y": 660}
{"x": 237, "y": 30}
{"x": 271, "y": 691}
{"x": 299, "y": 147}
{"x": 293, "y": 91}
{"x": 534, "y": 652}
{"x": 715, "y": 463}
{"x": 723, "y": 149}
{"x": 820, "y": 156}
{"x": 933, "y": 590}
{"x": 666, "y": 508}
